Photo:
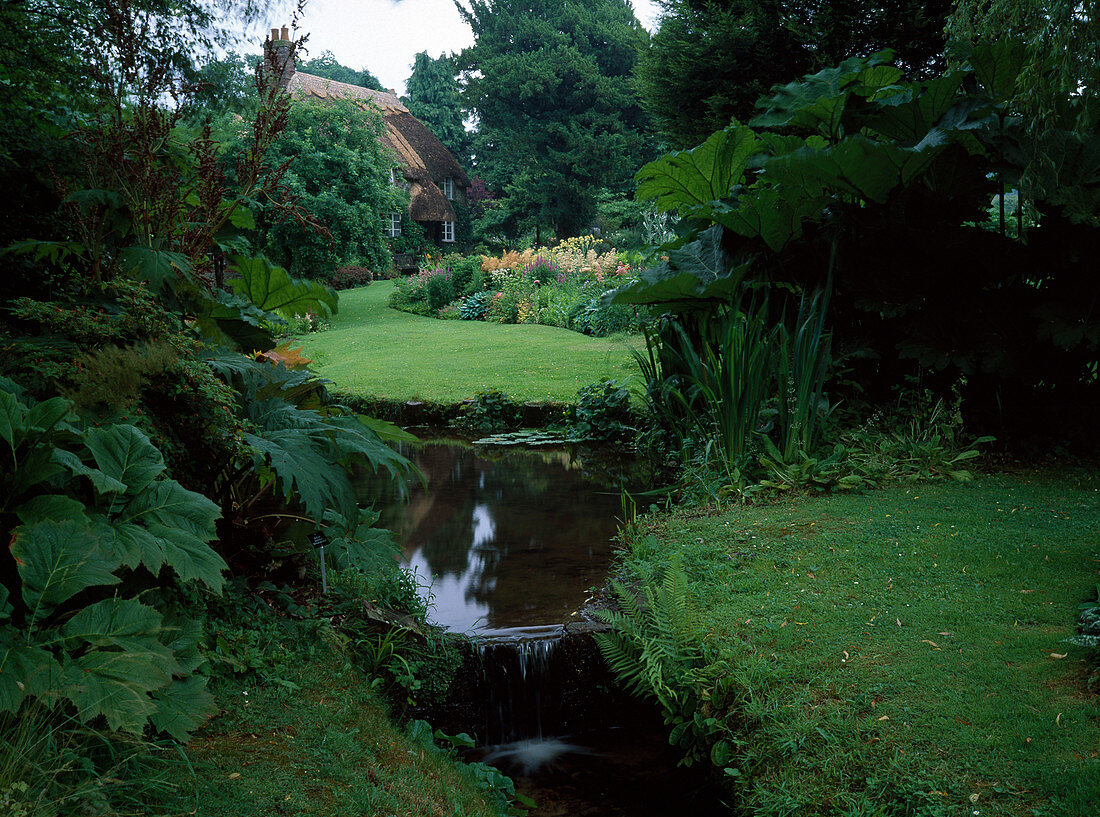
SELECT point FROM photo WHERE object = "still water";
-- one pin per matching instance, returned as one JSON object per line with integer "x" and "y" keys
{"x": 502, "y": 539}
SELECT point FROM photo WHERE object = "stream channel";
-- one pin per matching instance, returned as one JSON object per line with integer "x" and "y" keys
{"x": 507, "y": 544}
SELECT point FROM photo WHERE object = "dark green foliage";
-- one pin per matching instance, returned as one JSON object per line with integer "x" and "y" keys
{"x": 340, "y": 173}
{"x": 412, "y": 238}
{"x": 592, "y": 316}
{"x": 709, "y": 61}
{"x": 434, "y": 97}
{"x": 127, "y": 315}
{"x": 93, "y": 523}
{"x": 466, "y": 270}
{"x": 224, "y": 87}
{"x": 325, "y": 65}
{"x": 558, "y": 118}
{"x": 655, "y": 644}
{"x": 440, "y": 290}
{"x": 425, "y": 293}
{"x": 622, "y": 222}
{"x": 489, "y": 411}
{"x": 603, "y": 412}
{"x": 1062, "y": 38}
{"x": 855, "y": 179}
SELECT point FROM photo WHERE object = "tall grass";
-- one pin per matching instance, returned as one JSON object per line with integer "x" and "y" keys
{"x": 52, "y": 764}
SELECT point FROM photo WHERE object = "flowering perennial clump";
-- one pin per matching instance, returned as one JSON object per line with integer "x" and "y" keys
{"x": 562, "y": 286}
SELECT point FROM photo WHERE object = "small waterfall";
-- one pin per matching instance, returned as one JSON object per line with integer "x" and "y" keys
{"x": 523, "y": 682}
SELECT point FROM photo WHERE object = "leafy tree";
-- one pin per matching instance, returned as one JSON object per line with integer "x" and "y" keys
{"x": 223, "y": 86}
{"x": 558, "y": 117}
{"x": 710, "y": 61}
{"x": 1063, "y": 41}
{"x": 326, "y": 66}
{"x": 434, "y": 97}
{"x": 340, "y": 173}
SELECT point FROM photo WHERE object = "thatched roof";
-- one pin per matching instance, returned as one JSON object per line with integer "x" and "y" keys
{"x": 424, "y": 160}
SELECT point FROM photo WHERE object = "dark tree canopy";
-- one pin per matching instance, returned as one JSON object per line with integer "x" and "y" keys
{"x": 434, "y": 97}
{"x": 325, "y": 65}
{"x": 710, "y": 61}
{"x": 551, "y": 84}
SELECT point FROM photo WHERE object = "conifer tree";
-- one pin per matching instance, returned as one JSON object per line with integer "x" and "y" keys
{"x": 434, "y": 97}
{"x": 551, "y": 85}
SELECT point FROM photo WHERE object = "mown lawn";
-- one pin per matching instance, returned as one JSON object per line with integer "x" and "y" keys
{"x": 375, "y": 351}
{"x": 903, "y": 651}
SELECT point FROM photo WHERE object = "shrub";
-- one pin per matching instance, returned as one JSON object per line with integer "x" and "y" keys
{"x": 424, "y": 293}
{"x": 451, "y": 312}
{"x": 466, "y": 271}
{"x": 607, "y": 319}
{"x": 440, "y": 288}
{"x": 503, "y": 307}
{"x": 350, "y": 276}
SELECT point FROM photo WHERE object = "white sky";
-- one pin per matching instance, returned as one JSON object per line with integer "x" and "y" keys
{"x": 384, "y": 35}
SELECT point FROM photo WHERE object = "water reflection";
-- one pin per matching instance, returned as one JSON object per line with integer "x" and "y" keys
{"x": 510, "y": 541}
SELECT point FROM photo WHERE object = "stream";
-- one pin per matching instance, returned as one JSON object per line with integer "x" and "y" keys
{"x": 507, "y": 545}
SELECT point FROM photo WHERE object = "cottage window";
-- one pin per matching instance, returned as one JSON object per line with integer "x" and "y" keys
{"x": 392, "y": 225}
{"x": 393, "y": 175}
{"x": 448, "y": 231}
{"x": 449, "y": 188}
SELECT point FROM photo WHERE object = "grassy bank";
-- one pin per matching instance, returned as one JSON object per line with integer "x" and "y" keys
{"x": 376, "y": 351}
{"x": 902, "y": 651}
{"x": 327, "y": 748}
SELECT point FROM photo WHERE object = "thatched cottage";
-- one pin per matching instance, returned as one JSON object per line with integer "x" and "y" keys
{"x": 432, "y": 175}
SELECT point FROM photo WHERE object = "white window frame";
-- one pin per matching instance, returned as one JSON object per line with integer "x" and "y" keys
{"x": 393, "y": 176}
{"x": 449, "y": 188}
{"x": 392, "y": 226}
{"x": 447, "y": 233}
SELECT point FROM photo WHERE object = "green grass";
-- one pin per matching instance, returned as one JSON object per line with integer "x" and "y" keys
{"x": 902, "y": 651}
{"x": 375, "y": 351}
{"x": 328, "y": 749}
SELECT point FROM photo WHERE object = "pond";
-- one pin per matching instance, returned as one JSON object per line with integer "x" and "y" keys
{"x": 504, "y": 538}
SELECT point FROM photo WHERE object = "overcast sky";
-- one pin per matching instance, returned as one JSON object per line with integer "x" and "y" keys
{"x": 384, "y": 35}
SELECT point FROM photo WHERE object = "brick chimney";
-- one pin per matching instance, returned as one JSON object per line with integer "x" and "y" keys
{"x": 279, "y": 59}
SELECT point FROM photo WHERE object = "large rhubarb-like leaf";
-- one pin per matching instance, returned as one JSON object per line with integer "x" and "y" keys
{"x": 124, "y": 623}
{"x": 688, "y": 178}
{"x": 159, "y": 268}
{"x": 57, "y": 560}
{"x": 182, "y": 707}
{"x": 699, "y": 271}
{"x": 182, "y": 522}
{"x": 125, "y": 454}
{"x": 103, "y": 483}
{"x": 25, "y": 671}
{"x": 272, "y": 289}
{"x": 116, "y": 684}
